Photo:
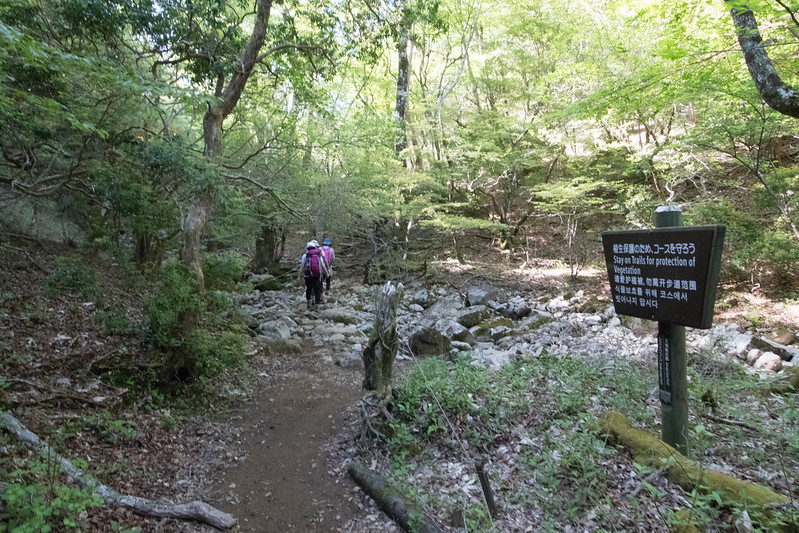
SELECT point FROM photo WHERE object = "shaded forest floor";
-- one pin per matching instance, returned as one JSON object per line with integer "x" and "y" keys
{"x": 271, "y": 452}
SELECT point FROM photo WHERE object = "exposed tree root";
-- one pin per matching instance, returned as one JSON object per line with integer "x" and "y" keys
{"x": 650, "y": 451}
{"x": 390, "y": 502}
{"x": 195, "y": 510}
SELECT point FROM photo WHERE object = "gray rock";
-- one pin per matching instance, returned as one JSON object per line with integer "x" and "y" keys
{"x": 753, "y": 355}
{"x": 428, "y": 341}
{"x": 480, "y": 293}
{"x": 769, "y": 361}
{"x": 350, "y": 360}
{"x": 461, "y": 346}
{"x": 454, "y": 331}
{"x": 516, "y": 309}
{"x": 499, "y": 332}
{"x": 423, "y": 298}
{"x": 740, "y": 343}
{"x": 473, "y": 316}
{"x": 341, "y": 316}
{"x": 416, "y": 308}
{"x": 495, "y": 359}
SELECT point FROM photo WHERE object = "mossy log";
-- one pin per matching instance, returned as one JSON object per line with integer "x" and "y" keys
{"x": 195, "y": 510}
{"x": 394, "y": 505}
{"x": 688, "y": 474}
{"x": 789, "y": 385}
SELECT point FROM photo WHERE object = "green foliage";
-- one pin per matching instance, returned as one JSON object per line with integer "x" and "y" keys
{"x": 223, "y": 270}
{"x": 37, "y": 501}
{"x": 71, "y": 275}
{"x": 214, "y": 355}
{"x": 113, "y": 321}
{"x": 176, "y": 293}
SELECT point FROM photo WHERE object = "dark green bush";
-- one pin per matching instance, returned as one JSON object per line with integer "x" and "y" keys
{"x": 176, "y": 293}
{"x": 71, "y": 276}
{"x": 223, "y": 270}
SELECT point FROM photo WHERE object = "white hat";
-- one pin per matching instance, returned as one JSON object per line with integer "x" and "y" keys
{"x": 315, "y": 244}
{"x": 311, "y": 244}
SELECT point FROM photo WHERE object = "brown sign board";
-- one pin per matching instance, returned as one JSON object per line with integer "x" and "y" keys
{"x": 665, "y": 274}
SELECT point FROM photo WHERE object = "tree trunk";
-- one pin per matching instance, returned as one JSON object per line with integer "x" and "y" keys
{"x": 149, "y": 249}
{"x": 379, "y": 354}
{"x": 268, "y": 250}
{"x": 776, "y": 93}
{"x": 403, "y": 88}
{"x": 202, "y": 201}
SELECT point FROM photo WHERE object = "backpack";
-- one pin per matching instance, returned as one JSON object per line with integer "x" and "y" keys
{"x": 313, "y": 263}
{"x": 328, "y": 251}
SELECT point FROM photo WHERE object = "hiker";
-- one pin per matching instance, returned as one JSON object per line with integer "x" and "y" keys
{"x": 314, "y": 270}
{"x": 330, "y": 255}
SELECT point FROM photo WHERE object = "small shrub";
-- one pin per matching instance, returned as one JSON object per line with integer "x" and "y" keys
{"x": 114, "y": 321}
{"x": 223, "y": 270}
{"x": 70, "y": 276}
{"x": 35, "y": 501}
{"x": 213, "y": 355}
{"x": 175, "y": 294}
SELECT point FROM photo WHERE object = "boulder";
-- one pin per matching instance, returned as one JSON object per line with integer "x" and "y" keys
{"x": 461, "y": 346}
{"x": 454, "y": 331}
{"x": 423, "y": 298}
{"x": 516, "y": 309}
{"x": 428, "y": 341}
{"x": 480, "y": 293}
{"x": 753, "y": 355}
{"x": 416, "y": 308}
{"x": 277, "y": 329}
{"x": 350, "y": 360}
{"x": 472, "y": 316}
{"x": 769, "y": 361}
{"x": 784, "y": 337}
{"x": 495, "y": 359}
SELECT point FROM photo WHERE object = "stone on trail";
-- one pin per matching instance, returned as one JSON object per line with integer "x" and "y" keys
{"x": 769, "y": 361}
{"x": 428, "y": 341}
{"x": 473, "y": 316}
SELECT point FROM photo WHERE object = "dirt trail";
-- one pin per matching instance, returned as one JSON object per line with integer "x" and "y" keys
{"x": 283, "y": 482}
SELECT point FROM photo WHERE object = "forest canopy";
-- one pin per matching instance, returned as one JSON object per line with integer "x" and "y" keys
{"x": 175, "y": 129}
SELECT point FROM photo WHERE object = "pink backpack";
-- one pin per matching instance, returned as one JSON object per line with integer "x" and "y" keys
{"x": 313, "y": 266}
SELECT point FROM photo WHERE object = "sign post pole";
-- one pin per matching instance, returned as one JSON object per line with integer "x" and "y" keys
{"x": 673, "y": 381}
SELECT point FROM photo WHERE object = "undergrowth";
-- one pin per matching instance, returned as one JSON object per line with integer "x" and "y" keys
{"x": 537, "y": 421}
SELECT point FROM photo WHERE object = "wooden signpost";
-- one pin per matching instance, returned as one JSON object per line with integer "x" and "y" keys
{"x": 667, "y": 274}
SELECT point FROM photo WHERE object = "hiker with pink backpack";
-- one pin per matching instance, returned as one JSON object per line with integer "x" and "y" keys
{"x": 314, "y": 269}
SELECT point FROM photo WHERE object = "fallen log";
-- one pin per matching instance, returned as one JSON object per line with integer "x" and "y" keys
{"x": 688, "y": 474}
{"x": 195, "y": 510}
{"x": 394, "y": 505}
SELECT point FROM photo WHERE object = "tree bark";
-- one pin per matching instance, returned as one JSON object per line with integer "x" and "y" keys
{"x": 379, "y": 354}
{"x": 202, "y": 202}
{"x": 390, "y": 502}
{"x": 268, "y": 249}
{"x": 776, "y": 93}
{"x": 195, "y": 510}
{"x": 403, "y": 89}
